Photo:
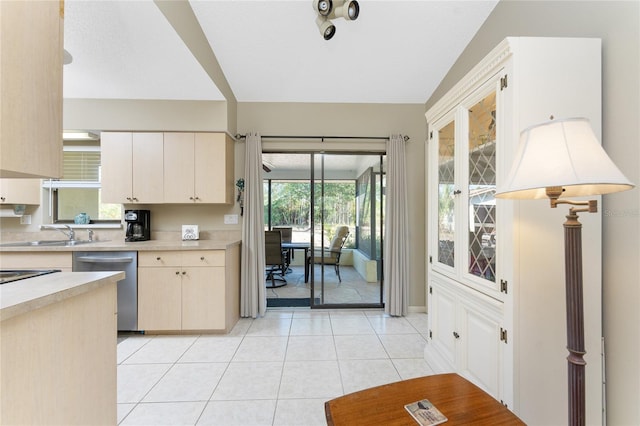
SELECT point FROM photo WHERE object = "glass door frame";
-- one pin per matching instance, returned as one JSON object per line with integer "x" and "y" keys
{"x": 316, "y": 281}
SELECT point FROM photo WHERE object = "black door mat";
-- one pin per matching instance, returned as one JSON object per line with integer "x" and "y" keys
{"x": 288, "y": 302}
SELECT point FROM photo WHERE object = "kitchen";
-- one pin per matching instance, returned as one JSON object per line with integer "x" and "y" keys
{"x": 230, "y": 116}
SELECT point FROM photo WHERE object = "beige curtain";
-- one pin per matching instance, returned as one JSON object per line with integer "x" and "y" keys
{"x": 253, "y": 294}
{"x": 396, "y": 247}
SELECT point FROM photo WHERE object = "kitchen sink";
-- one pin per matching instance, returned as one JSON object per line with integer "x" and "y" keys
{"x": 47, "y": 243}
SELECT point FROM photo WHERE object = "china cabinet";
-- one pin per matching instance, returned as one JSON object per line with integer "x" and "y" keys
{"x": 495, "y": 281}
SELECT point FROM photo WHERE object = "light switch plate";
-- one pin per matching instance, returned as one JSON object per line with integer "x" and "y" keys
{"x": 230, "y": 219}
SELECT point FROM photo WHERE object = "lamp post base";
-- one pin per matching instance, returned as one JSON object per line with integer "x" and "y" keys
{"x": 575, "y": 319}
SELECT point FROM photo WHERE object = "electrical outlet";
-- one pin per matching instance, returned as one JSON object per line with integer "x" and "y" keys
{"x": 230, "y": 219}
{"x": 25, "y": 219}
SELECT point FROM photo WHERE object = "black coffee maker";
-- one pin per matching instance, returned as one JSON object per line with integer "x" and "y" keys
{"x": 138, "y": 225}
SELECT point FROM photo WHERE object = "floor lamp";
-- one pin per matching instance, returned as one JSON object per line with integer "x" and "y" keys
{"x": 555, "y": 160}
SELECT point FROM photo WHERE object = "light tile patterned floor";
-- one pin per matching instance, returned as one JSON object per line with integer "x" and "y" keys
{"x": 276, "y": 370}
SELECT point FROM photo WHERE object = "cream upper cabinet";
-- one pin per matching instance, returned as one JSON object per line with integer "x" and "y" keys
{"x": 20, "y": 191}
{"x": 132, "y": 167}
{"x": 495, "y": 278}
{"x": 31, "y": 46}
{"x": 198, "y": 168}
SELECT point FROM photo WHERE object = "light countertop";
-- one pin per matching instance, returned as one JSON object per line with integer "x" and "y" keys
{"x": 133, "y": 246}
{"x": 22, "y": 296}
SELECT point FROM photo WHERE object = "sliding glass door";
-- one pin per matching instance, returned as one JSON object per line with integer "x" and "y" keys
{"x": 333, "y": 204}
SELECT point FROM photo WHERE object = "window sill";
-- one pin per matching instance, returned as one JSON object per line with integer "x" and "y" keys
{"x": 82, "y": 226}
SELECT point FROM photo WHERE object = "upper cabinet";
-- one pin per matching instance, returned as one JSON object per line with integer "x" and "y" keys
{"x": 198, "y": 168}
{"x": 20, "y": 191}
{"x": 495, "y": 277}
{"x": 172, "y": 167}
{"x": 132, "y": 167}
{"x": 31, "y": 51}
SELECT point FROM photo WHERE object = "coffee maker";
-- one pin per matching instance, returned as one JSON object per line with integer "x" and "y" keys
{"x": 138, "y": 225}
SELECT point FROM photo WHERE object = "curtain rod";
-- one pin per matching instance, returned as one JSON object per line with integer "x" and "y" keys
{"x": 406, "y": 138}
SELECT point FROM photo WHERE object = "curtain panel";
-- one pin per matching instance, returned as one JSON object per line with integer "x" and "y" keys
{"x": 396, "y": 246}
{"x": 253, "y": 294}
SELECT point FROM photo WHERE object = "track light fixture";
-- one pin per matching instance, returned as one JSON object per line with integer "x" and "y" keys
{"x": 331, "y": 9}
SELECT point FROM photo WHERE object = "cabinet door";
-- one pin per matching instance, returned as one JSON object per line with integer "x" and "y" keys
{"x": 480, "y": 182}
{"x": 442, "y": 316}
{"x": 203, "y": 298}
{"x": 147, "y": 168}
{"x": 480, "y": 348}
{"x": 31, "y": 37}
{"x": 179, "y": 165}
{"x": 159, "y": 299}
{"x": 445, "y": 195}
{"x": 214, "y": 168}
{"x": 20, "y": 191}
{"x": 116, "y": 164}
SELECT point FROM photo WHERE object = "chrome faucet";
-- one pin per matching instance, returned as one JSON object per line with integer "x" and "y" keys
{"x": 71, "y": 234}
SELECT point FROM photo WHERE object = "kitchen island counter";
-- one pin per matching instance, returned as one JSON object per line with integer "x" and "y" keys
{"x": 58, "y": 349}
{"x": 22, "y": 296}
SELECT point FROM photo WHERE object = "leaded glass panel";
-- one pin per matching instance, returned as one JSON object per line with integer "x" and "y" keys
{"x": 482, "y": 188}
{"x": 446, "y": 202}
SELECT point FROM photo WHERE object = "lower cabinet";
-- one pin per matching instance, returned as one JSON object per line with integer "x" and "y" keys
{"x": 188, "y": 290}
{"x": 465, "y": 334}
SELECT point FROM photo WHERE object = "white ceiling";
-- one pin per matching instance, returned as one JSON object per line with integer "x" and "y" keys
{"x": 269, "y": 51}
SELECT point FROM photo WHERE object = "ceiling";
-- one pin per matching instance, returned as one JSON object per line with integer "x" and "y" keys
{"x": 268, "y": 51}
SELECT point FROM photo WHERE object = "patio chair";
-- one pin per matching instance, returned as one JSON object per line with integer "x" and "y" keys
{"x": 331, "y": 255}
{"x": 274, "y": 258}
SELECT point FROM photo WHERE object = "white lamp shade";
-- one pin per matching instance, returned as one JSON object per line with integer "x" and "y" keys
{"x": 563, "y": 153}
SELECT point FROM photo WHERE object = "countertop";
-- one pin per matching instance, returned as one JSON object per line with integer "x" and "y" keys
{"x": 19, "y": 297}
{"x": 133, "y": 246}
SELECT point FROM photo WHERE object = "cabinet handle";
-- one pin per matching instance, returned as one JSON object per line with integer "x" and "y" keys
{"x": 129, "y": 199}
{"x": 184, "y": 272}
{"x": 158, "y": 258}
{"x": 456, "y": 335}
{"x": 191, "y": 198}
{"x": 3, "y": 199}
{"x": 135, "y": 199}
{"x": 457, "y": 192}
{"x": 197, "y": 198}
{"x": 202, "y": 258}
{"x": 177, "y": 272}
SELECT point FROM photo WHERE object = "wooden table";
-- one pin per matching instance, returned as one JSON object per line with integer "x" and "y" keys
{"x": 459, "y": 400}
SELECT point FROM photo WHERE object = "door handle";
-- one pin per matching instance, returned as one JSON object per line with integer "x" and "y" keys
{"x": 456, "y": 335}
{"x": 90, "y": 259}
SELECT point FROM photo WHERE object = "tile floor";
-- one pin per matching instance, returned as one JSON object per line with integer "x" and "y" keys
{"x": 276, "y": 370}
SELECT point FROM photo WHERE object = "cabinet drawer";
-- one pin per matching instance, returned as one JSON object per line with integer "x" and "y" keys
{"x": 159, "y": 258}
{"x": 30, "y": 260}
{"x": 203, "y": 258}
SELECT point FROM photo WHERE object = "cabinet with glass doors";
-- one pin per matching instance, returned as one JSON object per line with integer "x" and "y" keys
{"x": 463, "y": 148}
{"x": 495, "y": 270}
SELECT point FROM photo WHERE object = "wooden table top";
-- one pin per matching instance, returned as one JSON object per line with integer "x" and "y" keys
{"x": 459, "y": 400}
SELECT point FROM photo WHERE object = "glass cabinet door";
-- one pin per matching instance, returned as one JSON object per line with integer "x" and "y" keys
{"x": 482, "y": 188}
{"x": 446, "y": 194}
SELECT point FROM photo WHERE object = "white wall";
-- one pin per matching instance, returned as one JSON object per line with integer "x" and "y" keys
{"x": 617, "y": 23}
{"x": 306, "y": 119}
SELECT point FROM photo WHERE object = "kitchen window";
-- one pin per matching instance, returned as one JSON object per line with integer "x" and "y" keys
{"x": 78, "y": 191}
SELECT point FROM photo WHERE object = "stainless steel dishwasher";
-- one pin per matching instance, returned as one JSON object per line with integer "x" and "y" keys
{"x": 127, "y": 261}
